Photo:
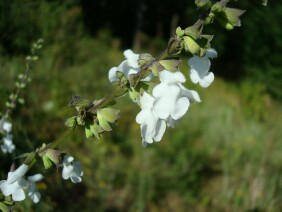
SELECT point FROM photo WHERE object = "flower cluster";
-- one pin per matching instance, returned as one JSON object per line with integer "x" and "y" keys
{"x": 8, "y": 145}
{"x": 169, "y": 100}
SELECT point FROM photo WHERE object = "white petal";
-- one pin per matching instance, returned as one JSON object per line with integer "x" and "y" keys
{"x": 17, "y": 174}
{"x": 66, "y": 173}
{"x": 18, "y": 195}
{"x": 200, "y": 64}
{"x": 164, "y": 105}
{"x": 160, "y": 90}
{"x": 207, "y": 80}
{"x": 192, "y": 95}
{"x": 160, "y": 130}
{"x": 132, "y": 58}
{"x": 35, "y": 197}
{"x": 75, "y": 179}
{"x": 181, "y": 108}
{"x": 7, "y": 126}
{"x": 68, "y": 159}
{"x": 146, "y": 101}
{"x": 170, "y": 77}
{"x": 35, "y": 178}
{"x": 112, "y": 74}
{"x": 194, "y": 76}
{"x": 211, "y": 53}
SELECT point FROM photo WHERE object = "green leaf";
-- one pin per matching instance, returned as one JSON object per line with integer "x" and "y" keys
{"x": 4, "y": 207}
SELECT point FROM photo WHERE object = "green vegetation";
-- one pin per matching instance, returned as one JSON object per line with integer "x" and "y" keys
{"x": 225, "y": 155}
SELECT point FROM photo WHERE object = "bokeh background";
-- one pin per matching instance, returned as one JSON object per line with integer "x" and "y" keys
{"x": 226, "y": 153}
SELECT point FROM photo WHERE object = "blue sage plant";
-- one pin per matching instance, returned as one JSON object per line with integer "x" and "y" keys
{"x": 155, "y": 84}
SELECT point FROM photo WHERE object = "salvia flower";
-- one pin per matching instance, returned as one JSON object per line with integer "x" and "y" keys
{"x": 32, "y": 191}
{"x": 169, "y": 102}
{"x": 127, "y": 67}
{"x": 152, "y": 127}
{"x": 199, "y": 68}
{"x": 72, "y": 169}
{"x": 172, "y": 98}
{"x": 15, "y": 183}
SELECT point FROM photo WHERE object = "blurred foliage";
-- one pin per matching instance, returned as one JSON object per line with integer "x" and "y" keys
{"x": 225, "y": 155}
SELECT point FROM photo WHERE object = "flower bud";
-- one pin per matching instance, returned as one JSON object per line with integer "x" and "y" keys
{"x": 190, "y": 45}
{"x": 203, "y": 3}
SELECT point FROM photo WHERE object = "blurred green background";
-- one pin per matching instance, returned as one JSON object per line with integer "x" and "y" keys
{"x": 226, "y": 153}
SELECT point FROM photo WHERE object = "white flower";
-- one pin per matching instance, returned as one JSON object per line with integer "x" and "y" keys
{"x": 6, "y": 126}
{"x": 127, "y": 67}
{"x": 15, "y": 184}
{"x": 32, "y": 191}
{"x": 152, "y": 128}
{"x": 172, "y": 98}
{"x": 8, "y": 145}
{"x": 200, "y": 66}
{"x": 72, "y": 169}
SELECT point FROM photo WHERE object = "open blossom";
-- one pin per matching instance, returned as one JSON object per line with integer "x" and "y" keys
{"x": 15, "y": 183}
{"x": 72, "y": 169}
{"x": 127, "y": 67}
{"x": 152, "y": 127}
{"x": 32, "y": 191}
{"x": 169, "y": 102}
{"x": 172, "y": 98}
{"x": 200, "y": 66}
{"x": 7, "y": 145}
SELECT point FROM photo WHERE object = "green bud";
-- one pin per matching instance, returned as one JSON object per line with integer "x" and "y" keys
{"x": 217, "y": 7}
{"x": 46, "y": 162}
{"x": 179, "y": 32}
{"x": 233, "y": 15}
{"x": 21, "y": 101}
{"x": 203, "y": 3}
{"x": 106, "y": 116}
{"x": 88, "y": 131}
{"x": 190, "y": 45}
{"x": 133, "y": 94}
{"x": 53, "y": 155}
{"x": 229, "y": 26}
{"x": 71, "y": 122}
{"x": 119, "y": 74}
